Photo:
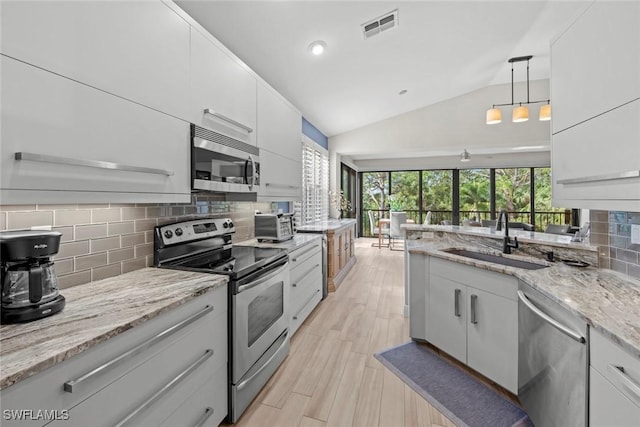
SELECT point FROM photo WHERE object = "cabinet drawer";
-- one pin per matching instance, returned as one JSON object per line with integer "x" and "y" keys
{"x": 490, "y": 281}
{"x": 169, "y": 374}
{"x": 48, "y": 115}
{"x": 299, "y": 316}
{"x": 616, "y": 365}
{"x": 46, "y": 389}
{"x": 608, "y": 407}
{"x": 305, "y": 262}
{"x": 302, "y": 289}
{"x": 207, "y": 407}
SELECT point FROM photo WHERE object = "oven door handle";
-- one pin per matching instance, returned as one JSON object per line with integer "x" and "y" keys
{"x": 262, "y": 279}
{"x": 244, "y": 383}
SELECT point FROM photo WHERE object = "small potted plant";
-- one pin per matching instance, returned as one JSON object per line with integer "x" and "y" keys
{"x": 340, "y": 202}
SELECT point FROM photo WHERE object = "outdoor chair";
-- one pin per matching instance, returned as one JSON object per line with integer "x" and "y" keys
{"x": 375, "y": 230}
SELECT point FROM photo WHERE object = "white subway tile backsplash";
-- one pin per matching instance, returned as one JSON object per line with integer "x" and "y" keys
{"x": 106, "y": 215}
{"x": 120, "y": 255}
{"x": 119, "y": 228}
{"x": 91, "y": 261}
{"x": 91, "y": 231}
{"x": 105, "y": 244}
{"x": 72, "y": 217}
{"x": 21, "y": 220}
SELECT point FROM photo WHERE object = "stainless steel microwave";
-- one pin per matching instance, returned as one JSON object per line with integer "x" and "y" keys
{"x": 223, "y": 164}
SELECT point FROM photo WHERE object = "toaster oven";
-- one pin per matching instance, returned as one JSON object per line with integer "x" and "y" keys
{"x": 274, "y": 227}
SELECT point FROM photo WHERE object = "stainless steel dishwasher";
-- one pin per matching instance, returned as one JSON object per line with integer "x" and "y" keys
{"x": 552, "y": 361}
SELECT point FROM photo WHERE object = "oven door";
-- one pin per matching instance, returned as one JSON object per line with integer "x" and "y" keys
{"x": 259, "y": 316}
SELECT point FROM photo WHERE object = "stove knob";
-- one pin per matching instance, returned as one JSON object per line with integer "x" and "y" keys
{"x": 225, "y": 225}
{"x": 168, "y": 234}
{"x": 228, "y": 268}
{"x": 230, "y": 224}
{"x": 178, "y": 231}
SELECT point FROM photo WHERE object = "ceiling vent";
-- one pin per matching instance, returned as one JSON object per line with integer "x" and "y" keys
{"x": 380, "y": 24}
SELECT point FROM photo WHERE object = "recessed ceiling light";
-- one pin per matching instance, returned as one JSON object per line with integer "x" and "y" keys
{"x": 317, "y": 47}
{"x": 402, "y": 92}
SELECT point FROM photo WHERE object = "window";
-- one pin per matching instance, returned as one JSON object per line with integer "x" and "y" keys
{"x": 348, "y": 187}
{"x": 315, "y": 183}
{"x": 404, "y": 194}
{"x": 437, "y": 195}
{"x": 475, "y": 194}
{"x": 513, "y": 193}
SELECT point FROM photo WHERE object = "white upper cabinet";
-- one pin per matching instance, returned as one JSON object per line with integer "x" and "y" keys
{"x": 595, "y": 63}
{"x": 279, "y": 125}
{"x": 222, "y": 86}
{"x": 280, "y": 177}
{"x": 138, "y": 50}
{"x": 82, "y": 145}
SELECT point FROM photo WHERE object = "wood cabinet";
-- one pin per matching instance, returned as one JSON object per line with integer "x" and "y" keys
{"x": 340, "y": 253}
{"x": 221, "y": 85}
{"x": 147, "y": 373}
{"x": 470, "y": 313}
{"x": 595, "y": 90}
{"x": 83, "y": 145}
{"x": 614, "y": 384}
{"x": 137, "y": 50}
{"x": 306, "y": 282}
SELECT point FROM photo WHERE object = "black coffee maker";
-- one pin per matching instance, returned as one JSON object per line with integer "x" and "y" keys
{"x": 29, "y": 282}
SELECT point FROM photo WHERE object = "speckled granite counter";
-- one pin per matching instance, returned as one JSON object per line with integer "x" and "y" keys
{"x": 608, "y": 301}
{"x": 94, "y": 313}
{"x": 322, "y": 226}
{"x": 298, "y": 241}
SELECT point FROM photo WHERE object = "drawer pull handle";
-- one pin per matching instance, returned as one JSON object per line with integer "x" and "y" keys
{"x": 207, "y": 414}
{"x": 292, "y": 187}
{"x": 89, "y": 163}
{"x": 628, "y": 382}
{"x": 282, "y": 338}
{"x": 474, "y": 303}
{"x": 305, "y": 304}
{"x": 302, "y": 253}
{"x": 295, "y": 285}
{"x": 604, "y": 177}
{"x": 456, "y": 302}
{"x": 167, "y": 387}
{"x": 550, "y": 320}
{"x": 69, "y": 385}
{"x": 228, "y": 120}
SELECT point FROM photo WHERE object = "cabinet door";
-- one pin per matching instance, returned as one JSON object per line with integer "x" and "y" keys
{"x": 447, "y": 316}
{"x": 45, "y": 114}
{"x": 279, "y": 176}
{"x": 135, "y": 49}
{"x": 220, "y": 84}
{"x": 588, "y": 153}
{"x": 279, "y": 125}
{"x": 492, "y": 337}
{"x": 595, "y": 64}
{"x": 608, "y": 407}
{"x": 418, "y": 295}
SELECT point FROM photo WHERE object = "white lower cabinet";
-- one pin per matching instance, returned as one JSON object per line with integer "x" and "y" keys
{"x": 279, "y": 176}
{"x": 614, "y": 384}
{"x": 81, "y": 145}
{"x": 140, "y": 377}
{"x": 306, "y": 283}
{"x": 472, "y": 314}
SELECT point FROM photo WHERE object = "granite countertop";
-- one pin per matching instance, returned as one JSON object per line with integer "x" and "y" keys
{"x": 298, "y": 241}
{"x": 607, "y": 300}
{"x": 94, "y": 313}
{"x": 557, "y": 240}
{"x": 321, "y": 226}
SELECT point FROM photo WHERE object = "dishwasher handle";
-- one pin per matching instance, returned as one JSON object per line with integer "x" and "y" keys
{"x": 559, "y": 326}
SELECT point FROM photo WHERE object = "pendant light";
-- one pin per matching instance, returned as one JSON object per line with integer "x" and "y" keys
{"x": 521, "y": 111}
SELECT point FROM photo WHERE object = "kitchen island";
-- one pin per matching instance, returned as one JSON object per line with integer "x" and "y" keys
{"x": 340, "y": 235}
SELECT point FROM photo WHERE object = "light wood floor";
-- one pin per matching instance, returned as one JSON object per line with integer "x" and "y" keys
{"x": 331, "y": 378}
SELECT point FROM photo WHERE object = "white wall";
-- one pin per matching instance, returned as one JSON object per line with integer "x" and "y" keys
{"x": 434, "y": 136}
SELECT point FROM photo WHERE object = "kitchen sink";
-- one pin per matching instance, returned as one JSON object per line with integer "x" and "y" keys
{"x": 496, "y": 259}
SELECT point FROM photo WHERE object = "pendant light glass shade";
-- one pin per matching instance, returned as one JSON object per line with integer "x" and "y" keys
{"x": 520, "y": 114}
{"x": 494, "y": 116}
{"x": 545, "y": 113}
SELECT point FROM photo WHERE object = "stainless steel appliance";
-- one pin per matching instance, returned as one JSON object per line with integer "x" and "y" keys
{"x": 552, "y": 362}
{"x": 258, "y": 298}
{"x": 29, "y": 282}
{"x": 273, "y": 227}
{"x": 223, "y": 164}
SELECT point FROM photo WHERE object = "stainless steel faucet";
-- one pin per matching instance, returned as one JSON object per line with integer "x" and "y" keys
{"x": 506, "y": 244}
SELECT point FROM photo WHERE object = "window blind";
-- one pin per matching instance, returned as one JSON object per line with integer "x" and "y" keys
{"x": 315, "y": 183}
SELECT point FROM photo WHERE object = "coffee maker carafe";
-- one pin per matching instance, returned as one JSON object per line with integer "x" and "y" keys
{"x": 29, "y": 282}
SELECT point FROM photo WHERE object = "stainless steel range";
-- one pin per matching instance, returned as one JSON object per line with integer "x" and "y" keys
{"x": 258, "y": 295}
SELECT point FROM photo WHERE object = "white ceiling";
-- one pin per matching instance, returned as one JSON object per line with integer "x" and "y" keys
{"x": 440, "y": 50}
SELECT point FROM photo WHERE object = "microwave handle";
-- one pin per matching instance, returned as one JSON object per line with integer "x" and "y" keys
{"x": 253, "y": 175}
{"x": 246, "y": 170}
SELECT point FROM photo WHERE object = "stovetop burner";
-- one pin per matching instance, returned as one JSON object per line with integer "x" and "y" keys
{"x": 237, "y": 262}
